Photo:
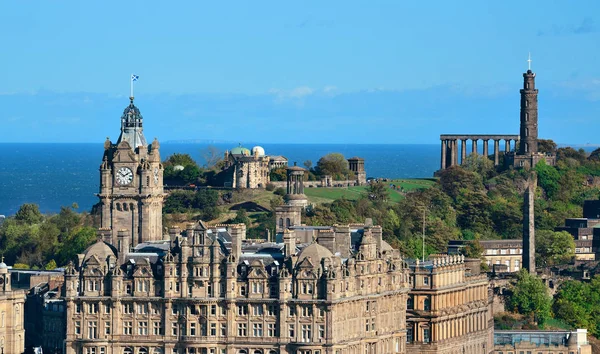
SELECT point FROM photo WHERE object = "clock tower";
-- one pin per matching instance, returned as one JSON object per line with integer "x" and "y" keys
{"x": 131, "y": 182}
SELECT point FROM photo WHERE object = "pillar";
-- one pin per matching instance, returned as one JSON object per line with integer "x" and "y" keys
{"x": 507, "y": 145}
{"x": 444, "y": 147}
{"x": 474, "y": 146}
{"x": 455, "y": 147}
{"x": 452, "y": 151}
{"x": 463, "y": 150}
{"x": 485, "y": 147}
{"x": 496, "y": 152}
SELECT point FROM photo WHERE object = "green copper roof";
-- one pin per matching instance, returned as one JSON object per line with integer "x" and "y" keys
{"x": 240, "y": 151}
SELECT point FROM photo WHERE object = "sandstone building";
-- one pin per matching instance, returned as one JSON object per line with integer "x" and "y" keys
{"x": 131, "y": 182}
{"x": 247, "y": 169}
{"x": 449, "y": 307}
{"x": 12, "y": 330}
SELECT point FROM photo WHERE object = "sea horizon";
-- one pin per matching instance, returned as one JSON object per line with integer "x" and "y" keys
{"x": 60, "y": 174}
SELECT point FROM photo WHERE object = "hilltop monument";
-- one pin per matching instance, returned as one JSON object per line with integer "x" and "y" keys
{"x": 520, "y": 151}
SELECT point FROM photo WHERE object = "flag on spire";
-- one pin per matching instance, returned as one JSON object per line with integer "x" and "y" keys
{"x": 134, "y": 77}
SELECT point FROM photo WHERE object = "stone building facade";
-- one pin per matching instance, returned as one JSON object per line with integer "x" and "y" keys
{"x": 211, "y": 291}
{"x": 505, "y": 255}
{"x": 131, "y": 182}
{"x": 449, "y": 308}
{"x": 12, "y": 326}
{"x": 247, "y": 169}
{"x": 357, "y": 166}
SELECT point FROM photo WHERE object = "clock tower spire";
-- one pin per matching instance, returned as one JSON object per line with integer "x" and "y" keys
{"x": 131, "y": 182}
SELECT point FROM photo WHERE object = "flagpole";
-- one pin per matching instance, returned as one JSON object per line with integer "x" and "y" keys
{"x": 131, "y": 86}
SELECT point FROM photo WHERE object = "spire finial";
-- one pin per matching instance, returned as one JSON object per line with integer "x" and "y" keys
{"x": 529, "y": 62}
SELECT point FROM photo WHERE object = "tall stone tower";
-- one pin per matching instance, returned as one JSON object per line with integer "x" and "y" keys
{"x": 528, "y": 135}
{"x": 526, "y": 154}
{"x": 131, "y": 182}
{"x": 529, "y": 224}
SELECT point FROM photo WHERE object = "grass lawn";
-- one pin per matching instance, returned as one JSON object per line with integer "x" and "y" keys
{"x": 327, "y": 195}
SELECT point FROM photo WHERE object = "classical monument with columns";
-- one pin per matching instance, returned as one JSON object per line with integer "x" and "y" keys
{"x": 519, "y": 150}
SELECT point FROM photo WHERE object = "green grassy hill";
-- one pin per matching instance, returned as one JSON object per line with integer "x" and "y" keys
{"x": 327, "y": 195}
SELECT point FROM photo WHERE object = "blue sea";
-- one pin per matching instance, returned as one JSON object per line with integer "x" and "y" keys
{"x": 55, "y": 175}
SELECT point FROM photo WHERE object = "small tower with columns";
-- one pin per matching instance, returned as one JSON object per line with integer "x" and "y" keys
{"x": 295, "y": 187}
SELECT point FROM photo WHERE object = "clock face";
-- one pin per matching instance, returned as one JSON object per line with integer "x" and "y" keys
{"x": 155, "y": 174}
{"x": 124, "y": 176}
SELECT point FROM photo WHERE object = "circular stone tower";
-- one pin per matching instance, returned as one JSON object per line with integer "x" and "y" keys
{"x": 295, "y": 187}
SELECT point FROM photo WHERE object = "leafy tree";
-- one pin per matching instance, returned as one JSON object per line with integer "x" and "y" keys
{"x": 595, "y": 155}
{"x": 51, "y": 265}
{"x": 548, "y": 178}
{"x": 546, "y": 146}
{"x": 179, "y": 202}
{"x": 455, "y": 179}
{"x": 378, "y": 191}
{"x": 473, "y": 249}
{"x": 569, "y": 152}
{"x": 184, "y": 160}
{"x": 552, "y": 247}
{"x": 577, "y": 304}
{"x": 189, "y": 175}
{"x": 241, "y": 217}
{"x": 479, "y": 164}
{"x": 29, "y": 214}
{"x": 307, "y": 164}
{"x": 530, "y": 297}
{"x": 333, "y": 164}
{"x": 278, "y": 174}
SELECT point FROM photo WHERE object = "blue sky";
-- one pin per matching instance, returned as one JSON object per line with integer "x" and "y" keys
{"x": 297, "y": 71}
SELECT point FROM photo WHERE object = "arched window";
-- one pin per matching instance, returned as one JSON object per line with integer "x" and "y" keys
{"x": 281, "y": 223}
{"x": 409, "y": 303}
{"x": 157, "y": 351}
{"x": 127, "y": 351}
{"x": 143, "y": 351}
{"x": 257, "y": 351}
{"x": 272, "y": 352}
{"x": 527, "y": 116}
{"x": 242, "y": 351}
{"x": 526, "y": 103}
{"x": 526, "y": 147}
{"x": 427, "y": 304}
{"x": 125, "y": 207}
{"x": 119, "y": 206}
{"x": 287, "y": 222}
{"x": 526, "y": 131}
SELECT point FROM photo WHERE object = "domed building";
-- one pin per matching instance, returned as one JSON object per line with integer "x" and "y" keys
{"x": 245, "y": 168}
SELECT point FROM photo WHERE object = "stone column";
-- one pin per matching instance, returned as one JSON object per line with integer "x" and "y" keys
{"x": 496, "y": 148}
{"x": 455, "y": 146}
{"x": 507, "y": 145}
{"x": 452, "y": 151}
{"x": 485, "y": 147}
{"x": 444, "y": 147}
{"x": 463, "y": 150}
{"x": 474, "y": 146}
